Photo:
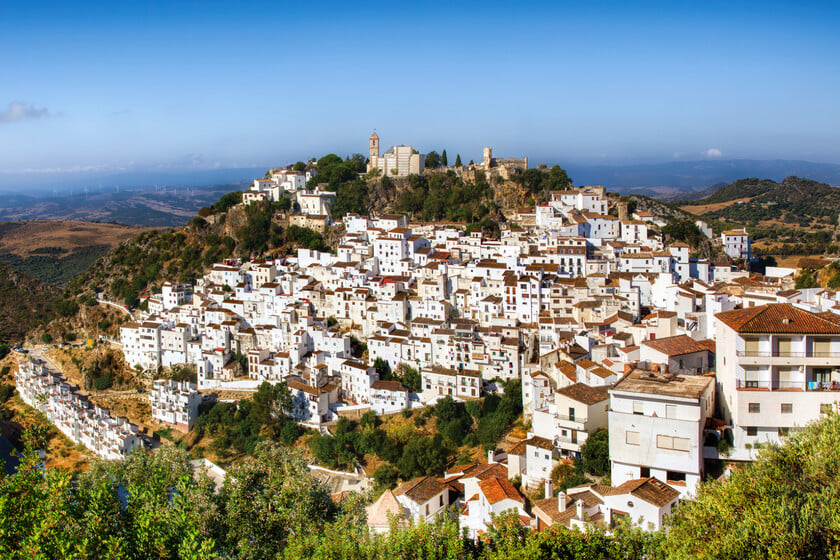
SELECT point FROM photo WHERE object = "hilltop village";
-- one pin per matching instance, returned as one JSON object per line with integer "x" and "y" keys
{"x": 681, "y": 362}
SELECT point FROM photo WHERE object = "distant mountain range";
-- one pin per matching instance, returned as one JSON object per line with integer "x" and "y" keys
{"x": 75, "y": 182}
{"x": 142, "y": 206}
{"x": 696, "y": 179}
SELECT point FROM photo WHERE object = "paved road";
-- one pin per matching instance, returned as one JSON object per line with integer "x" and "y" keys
{"x": 117, "y": 305}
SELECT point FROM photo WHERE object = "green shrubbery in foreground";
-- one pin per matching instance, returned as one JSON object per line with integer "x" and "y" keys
{"x": 151, "y": 506}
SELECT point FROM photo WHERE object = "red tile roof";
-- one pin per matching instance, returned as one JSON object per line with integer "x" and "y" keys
{"x": 497, "y": 489}
{"x": 675, "y": 345}
{"x": 779, "y": 318}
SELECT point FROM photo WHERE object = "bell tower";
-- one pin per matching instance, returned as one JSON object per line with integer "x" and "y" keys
{"x": 374, "y": 149}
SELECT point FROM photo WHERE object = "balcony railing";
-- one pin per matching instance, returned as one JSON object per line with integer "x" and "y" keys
{"x": 788, "y": 385}
{"x": 567, "y": 418}
{"x": 777, "y": 354}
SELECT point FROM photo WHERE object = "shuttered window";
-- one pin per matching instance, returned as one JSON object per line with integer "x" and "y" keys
{"x": 822, "y": 347}
{"x": 784, "y": 346}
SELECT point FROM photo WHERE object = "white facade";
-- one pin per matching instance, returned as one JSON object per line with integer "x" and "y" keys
{"x": 112, "y": 438}
{"x": 778, "y": 369}
{"x": 657, "y": 428}
{"x": 175, "y": 403}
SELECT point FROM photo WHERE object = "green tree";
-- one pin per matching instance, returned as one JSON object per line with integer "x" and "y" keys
{"x": 595, "y": 454}
{"x": 433, "y": 160}
{"x": 458, "y": 160}
{"x": 444, "y": 161}
{"x": 784, "y": 505}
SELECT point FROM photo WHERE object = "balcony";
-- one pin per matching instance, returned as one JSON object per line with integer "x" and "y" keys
{"x": 777, "y": 354}
{"x": 764, "y": 385}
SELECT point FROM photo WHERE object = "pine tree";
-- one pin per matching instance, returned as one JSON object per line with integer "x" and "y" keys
{"x": 443, "y": 161}
{"x": 458, "y": 160}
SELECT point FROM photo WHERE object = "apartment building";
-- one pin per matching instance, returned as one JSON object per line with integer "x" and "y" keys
{"x": 778, "y": 370}
{"x": 736, "y": 244}
{"x": 656, "y": 424}
{"x": 388, "y": 396}
{"x": 175, "y": 403}
{"x": 571, "y": 415}
{"x": 112, "y": 438}
{"x": 439, "y": 382}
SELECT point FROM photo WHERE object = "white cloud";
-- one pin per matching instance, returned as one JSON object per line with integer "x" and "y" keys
{"x": 20, "y": 111}
{"x": 712, "y": 153}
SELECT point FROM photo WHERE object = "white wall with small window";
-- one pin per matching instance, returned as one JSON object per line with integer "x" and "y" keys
{"x": 659, "y": 435}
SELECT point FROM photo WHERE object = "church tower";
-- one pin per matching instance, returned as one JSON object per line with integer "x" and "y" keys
{"x": 374, "y": 148}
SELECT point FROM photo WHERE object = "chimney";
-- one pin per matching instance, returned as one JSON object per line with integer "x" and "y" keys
{"x": 579, "y": 506}
{"x": 549, "y": 488}
{"x": 561, "y": 501}
{"x": 491, "y": 456}
{"x": 628, "y": 368}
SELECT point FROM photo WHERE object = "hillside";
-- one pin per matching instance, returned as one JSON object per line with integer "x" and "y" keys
{"x": 794, "y": 216}
{"x": 56, "y": 251}
{"x": 25, "y": 304}
{"x": 141, "y": 264}
{"x": 143, "y": 206}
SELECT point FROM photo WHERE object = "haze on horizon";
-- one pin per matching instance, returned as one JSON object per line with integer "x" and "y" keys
{"x": 104, "y": 86}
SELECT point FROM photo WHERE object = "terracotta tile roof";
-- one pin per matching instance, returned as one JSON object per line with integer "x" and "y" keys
{"x": 497, "y": 489}
{"x": 780, "y": 318}
{"x": 651, "y": 490}
{"x": 421, "y": 489}
{"x": 550, "y": 507}
{"x": 585, "y": 394}
{"x": 675, "y": 345}
{"x": 483, "y": 471}
{"x": 387, "y": 505}
{"x": 387, "y": 385}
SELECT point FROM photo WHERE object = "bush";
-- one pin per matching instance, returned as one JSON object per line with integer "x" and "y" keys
{"x": 595, "y": 454}
{"x": 6, "y": 392}
{"x": 104, "y": 382}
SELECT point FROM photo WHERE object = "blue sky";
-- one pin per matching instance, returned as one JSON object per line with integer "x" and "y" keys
{"x": 137, "y": 85}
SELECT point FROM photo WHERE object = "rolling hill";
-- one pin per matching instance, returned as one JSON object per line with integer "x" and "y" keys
{"x": 793, "y": 216}
{"x": 56, "y": 251}
{"x": 25, "y": 303}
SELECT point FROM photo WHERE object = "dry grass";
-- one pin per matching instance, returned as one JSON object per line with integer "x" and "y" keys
{"x": 21, "y": 238}
{"x": 705, "y": 208}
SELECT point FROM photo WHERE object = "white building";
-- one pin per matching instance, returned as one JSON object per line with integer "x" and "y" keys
{"x": 141, "y": 344}
{"x": 423, "y": 498}
{"x": 572, "y": 414}
{"x": 388, "y": 396}
{"x": 112, "y": 438}
{"x": 736, "y": 243}
{"x": 175, "y": 403}
{"x": 645, "y": 502}
{"x": 657, "y": 428}
{"x": 778, "y": 369}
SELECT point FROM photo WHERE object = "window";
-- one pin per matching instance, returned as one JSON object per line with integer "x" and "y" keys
{"x": 825, "y": 408}
{"x": 787, "y": 408}
{"x": 672, "y": 443}
{"x": 631, "y": 438}
{"x": 638, "y": 407}
{"x": 754, "y": 407}
{"x": 644, "y": 472}
{"x": 752, "y": 431}
{"x": 670, "y": 411}
{"x": 752, "y": 376}
{"x": 783, "y": 431}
